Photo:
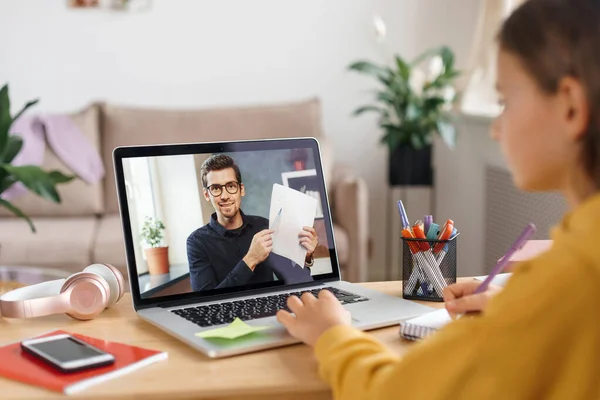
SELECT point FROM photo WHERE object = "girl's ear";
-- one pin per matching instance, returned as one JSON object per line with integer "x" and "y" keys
{"x": 575, "y": 107}
{"x": 242, "y": 190}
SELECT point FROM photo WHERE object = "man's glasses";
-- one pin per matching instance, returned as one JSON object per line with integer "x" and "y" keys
{"x": 231, "y": 187}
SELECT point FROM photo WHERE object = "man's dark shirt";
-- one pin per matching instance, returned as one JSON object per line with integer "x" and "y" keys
{"x": 215, "y": 257}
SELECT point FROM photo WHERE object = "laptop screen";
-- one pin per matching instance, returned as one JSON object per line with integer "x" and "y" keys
{"x": 209, "y": 219}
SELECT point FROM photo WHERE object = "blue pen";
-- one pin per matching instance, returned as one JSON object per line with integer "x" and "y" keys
{"x": 454, "y": 233}
{"x": 403, "y": 216}
{"x": 277, "y": 218}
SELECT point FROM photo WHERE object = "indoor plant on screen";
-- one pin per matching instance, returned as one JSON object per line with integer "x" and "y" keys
{"x": 43, "y": 183}
{"x": 413, "y": 103}
{"x": 157, "y": 254}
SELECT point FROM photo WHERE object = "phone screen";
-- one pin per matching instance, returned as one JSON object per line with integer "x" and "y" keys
{"x": 65, "y": 350}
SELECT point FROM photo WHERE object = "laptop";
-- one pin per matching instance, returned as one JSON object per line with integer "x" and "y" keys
{"x": 210, "y": 219}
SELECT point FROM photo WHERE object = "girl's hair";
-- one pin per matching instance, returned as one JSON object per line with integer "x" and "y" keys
{"x": 558, "y": 38}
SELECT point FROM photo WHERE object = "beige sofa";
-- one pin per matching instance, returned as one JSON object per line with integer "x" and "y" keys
{"x": 85, "y": 228}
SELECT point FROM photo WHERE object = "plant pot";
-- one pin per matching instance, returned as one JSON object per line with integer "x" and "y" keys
{"x": 410, "y": 167}
{"x": 158, "y": 260}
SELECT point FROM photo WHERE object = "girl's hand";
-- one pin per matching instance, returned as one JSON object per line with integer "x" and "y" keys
{"x": 460, "y": 299}
{"x": 313, "y": 316}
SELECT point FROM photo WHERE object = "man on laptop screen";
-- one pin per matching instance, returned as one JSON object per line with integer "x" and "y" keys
{"x": 234, "y": 249}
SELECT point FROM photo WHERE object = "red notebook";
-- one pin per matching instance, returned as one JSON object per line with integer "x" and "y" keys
{"x": 20, "y": 366}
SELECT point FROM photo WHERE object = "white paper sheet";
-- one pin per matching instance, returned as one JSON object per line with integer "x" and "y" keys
{"x": 297, "y": 210}
{"x": 499, "y": 280}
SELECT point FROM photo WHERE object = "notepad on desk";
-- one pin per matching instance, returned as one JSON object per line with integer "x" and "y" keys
{"x": 19, "y": 366}
{"x": 424, "y": 325}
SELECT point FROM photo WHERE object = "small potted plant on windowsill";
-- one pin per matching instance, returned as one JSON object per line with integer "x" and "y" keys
{"x": 157, "y": 255}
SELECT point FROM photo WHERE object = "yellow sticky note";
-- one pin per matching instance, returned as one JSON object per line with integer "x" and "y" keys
{"x": 236, "y": 329}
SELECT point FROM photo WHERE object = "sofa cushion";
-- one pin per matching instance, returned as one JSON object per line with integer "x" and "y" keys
{"x": 78, "y": 198}
{"x": 109, "y": 247}
{"x": 342, "y": 244}
{"x": 63, "y": 243}
{"x": 130, "y": 126}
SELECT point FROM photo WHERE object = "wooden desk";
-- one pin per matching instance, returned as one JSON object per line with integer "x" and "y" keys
{"x": 287, "y": 372}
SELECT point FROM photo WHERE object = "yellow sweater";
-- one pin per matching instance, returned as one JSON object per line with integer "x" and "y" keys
{"x": 538, "y": 339}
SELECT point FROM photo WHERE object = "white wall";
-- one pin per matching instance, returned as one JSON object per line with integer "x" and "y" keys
{"x": 200, "y": 53}
{"x": 179, "y": 202}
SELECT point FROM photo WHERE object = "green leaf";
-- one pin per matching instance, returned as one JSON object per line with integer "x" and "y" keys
{"x": 29, "y": 104}
{"x": 416, "y": 142}
{"x": 433, "y": 103}
{"x": 426, "y": 54}
{"x": 448, "y": 133}
{"x": 6, "y": 180}
{"x": 9, "y": 206}
{"x": 364, "y": 109}
{"x": 413, "y": 112}
{"x": 451, "y": 74}
{"x": 447, "y": 57}
{"x": 36, "y": 180}
{"x": 386, "y": 97}
{"x": 392, "y": 136}
{"x": 403, "y": 68}
{"x": 13, "y": 146}
{"x": 5, "y": 120}
{"x": 59, "y": 177}
{"x": 384, "y": 74}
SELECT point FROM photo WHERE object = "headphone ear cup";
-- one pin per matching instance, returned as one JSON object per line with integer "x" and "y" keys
{"x": 113, "y": 277}
{"x": 88, "y": 295}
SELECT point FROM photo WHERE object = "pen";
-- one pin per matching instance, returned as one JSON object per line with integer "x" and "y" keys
{"x": 427, "y": 254}
{"x": 419, "y": 232}
{"x": 417, "y": 272}
{"x": 277, "y": 218}
{"x": 433, "y": 231}
{"x": 424, "y": 259}
{"x": 501, "y": 264}
{"x": 403, "y": 216}
{"x": 427, "y": 221}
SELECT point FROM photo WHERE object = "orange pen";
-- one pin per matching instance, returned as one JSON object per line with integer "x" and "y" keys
{"x": 408, "y": 234}
{"x": 445, "y": 234}
{"x": 419, "y": 232}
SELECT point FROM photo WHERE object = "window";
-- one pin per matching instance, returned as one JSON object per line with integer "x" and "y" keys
{"x": 479, "y": 94}
{"x": 142, "y": 199}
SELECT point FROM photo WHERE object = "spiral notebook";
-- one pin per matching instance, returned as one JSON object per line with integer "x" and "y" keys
{"x": 424, "y": 325}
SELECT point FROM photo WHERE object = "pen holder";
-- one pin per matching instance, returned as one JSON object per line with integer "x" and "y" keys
{"x": 428, "y": 266}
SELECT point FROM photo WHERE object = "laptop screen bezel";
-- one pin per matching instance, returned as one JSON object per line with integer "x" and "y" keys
{"x": 124, "y": 152}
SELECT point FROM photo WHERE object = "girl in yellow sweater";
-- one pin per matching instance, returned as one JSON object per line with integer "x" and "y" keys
{"x": 538, "y": 338}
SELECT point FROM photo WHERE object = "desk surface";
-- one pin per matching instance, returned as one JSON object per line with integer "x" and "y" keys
{"x": 289, "y": 372}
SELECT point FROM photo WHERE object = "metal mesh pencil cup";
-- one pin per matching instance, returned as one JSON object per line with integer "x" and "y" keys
{"x": 428, "y": 266}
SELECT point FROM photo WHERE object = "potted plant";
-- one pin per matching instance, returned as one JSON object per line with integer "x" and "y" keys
{"x": 156, "y": 255}
{"x": 413, "y": 105}
{"x": 32, "y": 177}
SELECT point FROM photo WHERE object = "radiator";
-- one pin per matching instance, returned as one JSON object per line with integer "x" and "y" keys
{"x": 509, "y": 210}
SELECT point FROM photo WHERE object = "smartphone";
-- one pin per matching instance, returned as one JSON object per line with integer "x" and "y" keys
{"x": 67, "y": 353}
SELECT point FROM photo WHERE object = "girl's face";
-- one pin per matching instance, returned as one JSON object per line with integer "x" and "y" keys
{"x": 531, "y": 130}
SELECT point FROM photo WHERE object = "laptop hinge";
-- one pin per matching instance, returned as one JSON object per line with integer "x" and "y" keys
{"x": 227, "y": 296}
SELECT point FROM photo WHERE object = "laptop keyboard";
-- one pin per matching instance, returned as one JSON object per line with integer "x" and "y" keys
{"x": 261, "y": 307}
